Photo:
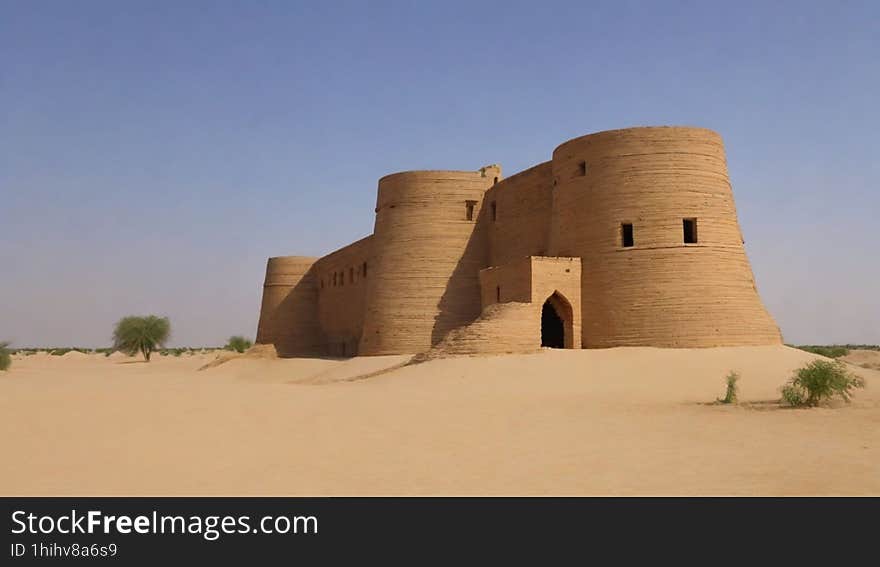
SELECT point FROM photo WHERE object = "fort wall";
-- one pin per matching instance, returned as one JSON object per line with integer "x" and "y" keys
{"x": 520, "y": 225}
{"x": 342, "y": 290}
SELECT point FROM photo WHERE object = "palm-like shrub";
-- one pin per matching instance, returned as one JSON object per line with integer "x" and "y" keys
{"x": 238, "y": 344}
{"x": 818, "y": 381}
{"x": 5, "y": 356}
{"x": 141, "y": 334}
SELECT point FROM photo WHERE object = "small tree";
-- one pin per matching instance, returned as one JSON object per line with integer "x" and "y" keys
{"x": 732, "y": 389}
{"x": 5, "y": 356}
{"x": 141, "y": 334}
{"x": 818, "y": 381}
{"x": 238, "y": 344}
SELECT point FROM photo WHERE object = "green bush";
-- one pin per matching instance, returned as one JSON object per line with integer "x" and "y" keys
{"x": 238, "y": 344}
{"x": 172, "y": 351}
{"x": 819, "y": 381}
{"x": 5, "y": 356}
{"x": 730, "y": 396}
{"x": 832, "y": 351}
{"x": 141, "y": 334}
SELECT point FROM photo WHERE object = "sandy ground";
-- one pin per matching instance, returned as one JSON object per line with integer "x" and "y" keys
{"x": 864, "y": 358}
{"x": 616, "y": 421}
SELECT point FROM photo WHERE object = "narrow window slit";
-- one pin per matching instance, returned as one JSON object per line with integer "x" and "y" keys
{"x": 469, "y": 209}
{"x": 626, "y": 235}
{"x": 690, "y": 231}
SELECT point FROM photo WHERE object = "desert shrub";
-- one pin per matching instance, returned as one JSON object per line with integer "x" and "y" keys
{"x": 172, "y": 351}
{"x": 238, "y": 344}
{"x": 134, "y": 334}
{"x": 819, "y": 381}
{"x": 5, "y": 356}
{"x": 832, "y": 351}
{"x": 730, "y": 396}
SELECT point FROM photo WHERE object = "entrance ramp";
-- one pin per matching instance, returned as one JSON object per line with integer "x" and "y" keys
{"x": 502, "y": 328}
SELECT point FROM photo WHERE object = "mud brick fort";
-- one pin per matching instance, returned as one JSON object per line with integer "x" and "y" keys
{"x": 623, "y": 238}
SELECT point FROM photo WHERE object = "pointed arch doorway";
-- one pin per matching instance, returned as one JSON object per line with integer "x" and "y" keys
{"x": 557, "y": 322}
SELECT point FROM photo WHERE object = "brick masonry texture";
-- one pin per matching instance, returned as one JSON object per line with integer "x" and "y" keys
{"x": 462, "y": 262}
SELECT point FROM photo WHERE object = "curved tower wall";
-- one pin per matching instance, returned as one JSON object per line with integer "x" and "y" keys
{"x": 425, "y": 259}
{"x": 289, "y": 314}
{"x": 660, "y": 291}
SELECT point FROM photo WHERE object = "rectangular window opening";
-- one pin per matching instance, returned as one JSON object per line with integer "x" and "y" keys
{"x": 497, "y": 294}
{"x": 351, "y": 275}
{"x": 582, "y": 168}
{"x": 626, "y": 235}
{"x": 494, "y": 211}
{"x": 469, "y": 208}
{"x": 690, "y": 231}
{"x": 365, "y": 269}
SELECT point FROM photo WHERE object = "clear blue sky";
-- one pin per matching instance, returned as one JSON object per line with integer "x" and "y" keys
{"x": 153, "y": 154}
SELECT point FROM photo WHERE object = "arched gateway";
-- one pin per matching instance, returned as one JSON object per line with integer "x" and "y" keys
{"x": 556, "y": 322}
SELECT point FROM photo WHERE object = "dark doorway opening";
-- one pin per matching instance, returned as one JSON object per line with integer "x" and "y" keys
{"x": 552, "y": 327}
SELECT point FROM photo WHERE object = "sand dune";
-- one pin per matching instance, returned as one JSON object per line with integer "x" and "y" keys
{"x": 616, "y": 421}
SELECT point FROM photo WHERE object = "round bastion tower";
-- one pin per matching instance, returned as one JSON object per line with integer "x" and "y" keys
{"x": 425, "y": 260}
{"x": 289, "y": 314}
{"x": 651, "y": 213}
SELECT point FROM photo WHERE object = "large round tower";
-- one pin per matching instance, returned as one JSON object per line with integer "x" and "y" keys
{"x": 651, "y": 213}
{"x": 289, "y": 313}
{"x": 426, "y": 258}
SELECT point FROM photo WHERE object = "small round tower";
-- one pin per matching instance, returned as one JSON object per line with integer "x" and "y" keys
{"x": 651, "y": 213}
{"x": 426, "y": 258}
{"x": 289, "y": 314}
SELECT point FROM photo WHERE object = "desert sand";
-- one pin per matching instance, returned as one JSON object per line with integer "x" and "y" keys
{"x": 864, "y": 358}
{"x": 620, "y": 421}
